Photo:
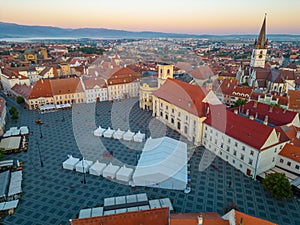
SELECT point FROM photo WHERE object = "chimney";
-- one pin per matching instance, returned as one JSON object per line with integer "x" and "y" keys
{"x": 271, "y": 109}
{"x": 256, "y": 115}
{"x": 284, "y": 111}
{"x": 251, "y": 117}
{"x": 247, "y": 112}
{"x": 266, "y": 120}
{"x": 255, "y": 104}
{"x": 236, "y": 111}
{"x": 298, "y": 134}
{"x": 200, "y": 219}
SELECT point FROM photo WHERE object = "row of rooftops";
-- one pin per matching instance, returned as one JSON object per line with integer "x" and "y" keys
{"x": 161, "y": 216}
{"x": 252, "y": 123}
{"x": 68, "y": 85}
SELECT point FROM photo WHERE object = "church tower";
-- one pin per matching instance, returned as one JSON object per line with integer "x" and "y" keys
{"x": 259, "y": 53}
{"x": 165, "y": 71}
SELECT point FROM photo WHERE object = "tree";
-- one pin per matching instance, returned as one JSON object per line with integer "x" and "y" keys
{"x": 20, "y": 100}
{"x": 239, "y": 102}
{"x": 1, "y": 152}
{"x": 14, "y": 113}
{"x": 12, "y": 110}
{"x": 278, "y": 186}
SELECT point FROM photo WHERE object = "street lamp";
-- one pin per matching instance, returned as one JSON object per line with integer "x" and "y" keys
{"x": 41, "y": 134}
{"x": 41, "y": 161}
{"x": 84, "y": 180}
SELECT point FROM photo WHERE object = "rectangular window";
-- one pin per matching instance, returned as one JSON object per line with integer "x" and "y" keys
{"x": 234, "y": 152}
{"x": 235, "y": 144}
{"x": 228, "y": 140}
{"x": 216, "y": 142}
{"x": 243, "y": 148}
{"x": 252, "y": 152}
{"x": 227, "y": 149}
{"x": 233, "y": 161}
{"x": 297, "y": 167}
{"x": 241, "y": 166}
{"x": 288, "y": 163}
{"x": 250, "y": 161}
{"x": 281, "y": 160}
{"x": 242, "y": 157}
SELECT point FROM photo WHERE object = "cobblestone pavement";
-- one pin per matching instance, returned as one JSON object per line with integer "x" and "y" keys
{"x": 52, "y": 195}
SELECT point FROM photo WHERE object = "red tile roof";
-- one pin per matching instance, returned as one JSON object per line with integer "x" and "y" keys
{"x": 209, "y": 218}
{"x": 250, "y": 220}
{"x": 91, "y": 82}
{"x": 183, "y": 95}
{"x": 290, "y": 151}
{"x": 48, "y": 88}
{"x": 41, "y": 88}
{"x": 22, "y": 90}
{"x": 144, "y": 217}
{"x": 276, "y": 116}
{"x": 66, "y": 86}
{"x": 238, "y": 127}
{"x": 227, "y": 87}
{"x": 294, "y": 99}
{"x": 202, "y": 72}
{"x": 123, "y": 76}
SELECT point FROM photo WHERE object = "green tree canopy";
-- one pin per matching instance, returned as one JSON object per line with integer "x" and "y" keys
{"x": 239, "y": 102}
{"x": 278, "y": 186}
{"x": 20, "y": 100}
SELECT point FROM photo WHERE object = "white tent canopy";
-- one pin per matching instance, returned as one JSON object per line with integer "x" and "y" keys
{"x": 99, "y": 131}
{"x": 24, "y": 130}
{"x": 118, "y": 134}
{"x": 97, "y": 168}
{"x": 83, "y": 166}
{"x": 139, "y": 137}
{"x": 124, "y": 174}
{"x": 110, "y": 171}
{"x": 108, "y": 133}
{"x": 163, "y": 163}
{"x": 70, "y": 163}
{"x": 128, "y": 136}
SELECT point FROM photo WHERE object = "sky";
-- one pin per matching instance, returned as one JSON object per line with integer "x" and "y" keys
{"x": 184, "y": 16}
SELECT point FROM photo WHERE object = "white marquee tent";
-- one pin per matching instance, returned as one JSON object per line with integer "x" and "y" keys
{"x": 163, "y": 164}
{"x": 97, "y": 168}
{"x": 99, "y": 131}
{"x": 124, "y": 174}
{"x": 128, "y": 136}
{"x": 110, "y": 171}
{"x": 139, "y": 137}
{"x": 83, "y": 166}
{"x": 108, "y": 133}
{"x": 70, "y": 163}
{"x": 118, "y": 134}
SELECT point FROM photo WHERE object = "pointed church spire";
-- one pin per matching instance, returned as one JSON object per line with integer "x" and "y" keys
{"x": 261, "y": 42}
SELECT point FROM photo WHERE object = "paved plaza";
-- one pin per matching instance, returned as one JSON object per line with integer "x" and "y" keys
{"x": 52, "y": 195}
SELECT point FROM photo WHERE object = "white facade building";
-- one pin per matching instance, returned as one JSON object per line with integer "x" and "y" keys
{"x": 244, "y": 143}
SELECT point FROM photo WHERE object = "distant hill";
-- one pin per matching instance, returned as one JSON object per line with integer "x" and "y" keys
{"x": 11, "y": 30}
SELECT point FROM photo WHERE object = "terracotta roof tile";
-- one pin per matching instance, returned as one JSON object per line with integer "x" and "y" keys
{"x": 187, "y": 96}
{"x": 250, "y": 220}
{"x": 291, "y": 152}
{"x": 202, "y": 72}
{"x": 238, "y": 127}
{"x": 294, "y": 99}
{"x": 144, "y": 217}
{"x": 276, "y": 116}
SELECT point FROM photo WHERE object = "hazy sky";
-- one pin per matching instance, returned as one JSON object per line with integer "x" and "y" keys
{"x": 185, "y": 16}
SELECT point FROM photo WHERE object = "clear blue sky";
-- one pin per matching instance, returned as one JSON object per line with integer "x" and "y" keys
{"x": 188, "y": 16}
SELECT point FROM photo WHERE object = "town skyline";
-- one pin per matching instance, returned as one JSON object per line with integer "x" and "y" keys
{"x": 190, "y": 17}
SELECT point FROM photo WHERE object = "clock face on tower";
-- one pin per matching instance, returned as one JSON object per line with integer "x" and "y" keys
{"x": 260, "y": 56}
